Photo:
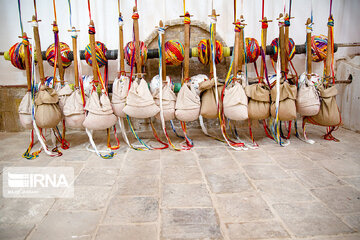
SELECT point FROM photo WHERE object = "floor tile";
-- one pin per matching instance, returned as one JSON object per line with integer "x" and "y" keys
{"x": 310, "y": 219}
{"x": 243, "y": 207}
{"x": 140, "y": 168}
{"x": 97, "y": 177}
{"x": 139, "y": 185}
{"x": 343, "y": 199}
{"x": 219, "y": 165}
{"x": 314, "y": 178}
{"x": 132, "y": 210}
{"x": 181, "y": 175}
{"x": 256, "y": 230}
{"x": 226, "y": 182}
{"x": 127, "y": 232}
{"x": 195, "y": 223}
{"x": 344, "y": 167}
{"x": 262, "y": 172}
{"x": 67, "y": 225}
{"x": 281, "y": 191}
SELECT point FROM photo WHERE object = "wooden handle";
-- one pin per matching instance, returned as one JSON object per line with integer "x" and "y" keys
{"x": 214, "y": 44}
{"x": 59, "y": 61}
{"x": 263, "y": 45}
{"x": 282, "y": 45}
{"x": 241, "y": 47}
{"x": 75, "y": 53}
{"x": 236, "y": 53}
{"x": 163, "y": 62}
{"x": 38, "y": 52}
{"x": 308, "y": 50}
{"x": 27, "y": 64}
{"x": 186, "y": 50}
{"x": 286, "y": 41}
{"x": 93, "y": 54}
{"x": 329, "y": 54}
{"x": 121, "y": 48}
{"x": 137, "y": 44}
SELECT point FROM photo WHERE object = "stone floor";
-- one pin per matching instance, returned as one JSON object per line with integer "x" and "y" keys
{"x": 300, "y": 191}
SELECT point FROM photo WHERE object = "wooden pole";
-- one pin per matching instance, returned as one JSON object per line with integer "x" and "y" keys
{"x": 137, "y": 44}
{"x": 263, "y": 45}
{"x": 27, "y": 64}
{"x": 308, "y": 50}
{"x": 286, "y": 45}
{"x": 59, "y": 60}
{"x": 121, "y": 48}
{"x": 241, "y": 46}
{"x": 328, "y": 60}
{"x": 214, "y": 43}
{"x": 163, "y": 62}
{"x": 93, "y": 54}
{"x": 236, "y": 52}
{"x": 282, "y": 45}
{"x": 187, "y": 49}
{"x": 38, "y": 51}
{"x": 75, "y": 53}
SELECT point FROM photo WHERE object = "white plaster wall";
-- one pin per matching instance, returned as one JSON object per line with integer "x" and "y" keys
{"x": 104, "y": 13}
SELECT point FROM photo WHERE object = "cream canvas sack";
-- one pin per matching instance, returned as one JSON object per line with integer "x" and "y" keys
{"x": 74, "y": 110}
{"x": 187, "y": 106}
{"x": 168, "y": 102}
{"x": 47, "y": 110}
{"x": 63, "y": 93}
{"x": 307, "y": 100}
{"x": 140, "y": 103}
{"x": 259, "y": 102}
{"x": 100, "y": 114}
{"x": 287, "y": 107}
{"x": 209, "y": 107}
{"x": 235, "y": 102}
{"x": 119, "y": 94}
{"x": 25, "y": 109}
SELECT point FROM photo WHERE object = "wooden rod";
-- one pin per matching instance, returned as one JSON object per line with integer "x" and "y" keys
{"x": 163, "y": 62}
{"x": 236, "y": 52}
{"x": 76, "y": 69}
{"x": 121, "y": 48}
{"x": 308, "y": 50}
{"x": 137, "y": 43}
{"x": 263, "y": 45}
{"x": 214, "y": 44}
{"x": 329, "y": 54}
{"x": 27, "y": 64}
{"x": 187, "y": 49}
{"x": 38, "y": 51}
{"x": 93, "y": 54}
{"x": 241, "y": 46}
{"x": 59, "y": 60}
{"x": 286, "y": 45}
{"x": 282, "y": 45}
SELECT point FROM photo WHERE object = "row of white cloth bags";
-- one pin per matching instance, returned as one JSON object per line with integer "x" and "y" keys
{"x": 140, "y": 102}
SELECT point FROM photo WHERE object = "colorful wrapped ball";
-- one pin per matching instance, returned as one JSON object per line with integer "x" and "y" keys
{"x": 174, "y": 52}
{"x": 204, "y": 54}
{"x": 319, "y": 48}
{"x": 100, "y": 54}
{"x": 252, "y": 50}
{"x": 17, "y": 55}
{"x": 64, "y": 51}
{"x": 129, "y": 49}
{"x": 274, "y": 45}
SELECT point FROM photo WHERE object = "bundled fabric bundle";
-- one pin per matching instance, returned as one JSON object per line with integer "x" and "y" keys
{"x": 307, "y": 100}
{"x": 140, "y": 103}
{"x": 25, "y": 109}
{"x": 47, "y": 110}
{"x": 209, "y": 108}
{"x": 235, "y": 102}
{"x": 120, "y": 90}
{"x": 329, "y": 114}
{"x": 287, "y": 107}
{"x": 100, "y": 114}
{"x": 63, "y": 93}
{"x": 168, "y": 102}
{"x": 74, "y": 110}
{"x": 187, "y": 104}
{"x": 259, "y": 101}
